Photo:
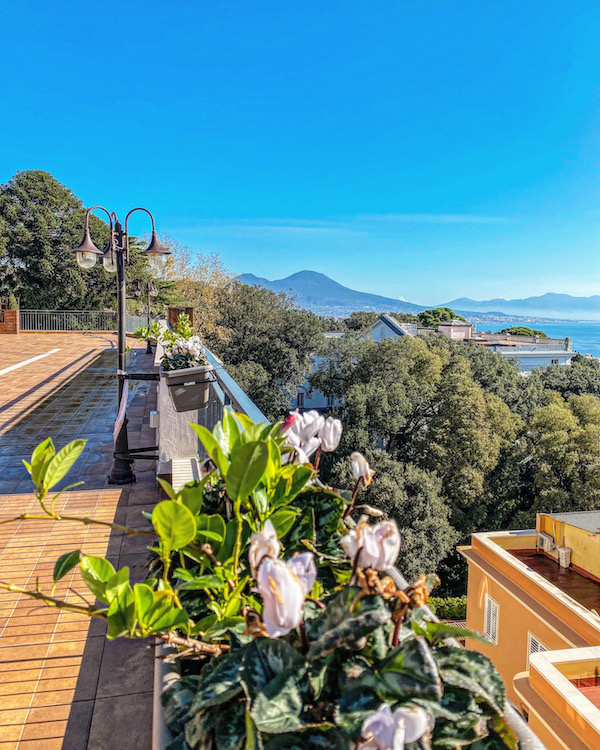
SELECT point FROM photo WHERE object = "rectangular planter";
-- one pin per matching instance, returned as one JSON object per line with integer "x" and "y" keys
{"x": 189, "y": 388}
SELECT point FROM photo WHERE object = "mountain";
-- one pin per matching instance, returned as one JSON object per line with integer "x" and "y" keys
{"x": 548, "y": 305}
{"x": 324, "y": 296}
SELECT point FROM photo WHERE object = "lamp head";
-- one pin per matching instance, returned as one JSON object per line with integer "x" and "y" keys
{"x": 156, "y": 253}
{"x": 87, "y": 252}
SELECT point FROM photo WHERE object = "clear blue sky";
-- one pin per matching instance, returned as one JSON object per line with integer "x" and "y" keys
{"x": 427, "y": 150}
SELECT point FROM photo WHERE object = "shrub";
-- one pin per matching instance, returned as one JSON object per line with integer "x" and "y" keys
{"x": 452, "y": 608}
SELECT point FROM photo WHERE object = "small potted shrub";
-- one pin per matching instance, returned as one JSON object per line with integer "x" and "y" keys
{"x": 185, "y": 367}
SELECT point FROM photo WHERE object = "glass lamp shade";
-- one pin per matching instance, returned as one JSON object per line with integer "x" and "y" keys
{"x": 157, "y": 261}
{"x": 109, "y": 262}
{"x": 86, "y": 259}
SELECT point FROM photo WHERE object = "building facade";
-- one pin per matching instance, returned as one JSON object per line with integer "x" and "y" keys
{"x": 536, "y": 595}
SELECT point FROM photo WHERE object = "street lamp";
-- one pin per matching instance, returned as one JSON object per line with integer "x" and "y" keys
{"x": 113, "y": 259}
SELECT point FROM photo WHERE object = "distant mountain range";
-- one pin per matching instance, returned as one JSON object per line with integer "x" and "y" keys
{"x": 324, "y": 296}
{"x": 548, "y": 305}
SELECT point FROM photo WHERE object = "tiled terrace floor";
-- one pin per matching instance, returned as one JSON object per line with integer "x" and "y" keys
{"x": 62, "y": 684}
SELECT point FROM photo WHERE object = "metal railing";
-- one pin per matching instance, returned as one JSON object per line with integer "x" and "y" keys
{"x": 77, "y": 320}
{"x": 68, "y": 320}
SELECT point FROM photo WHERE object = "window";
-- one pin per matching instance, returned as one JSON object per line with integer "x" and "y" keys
{"x": 534, "y": 646}
{"x": 554, "y": 361}
{"x": 491, "y": 619}
{"x": 330, "y": 401}
{"x": 300, "y": 400}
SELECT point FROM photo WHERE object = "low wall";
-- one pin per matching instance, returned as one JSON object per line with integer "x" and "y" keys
{"x": 9, "y": 321}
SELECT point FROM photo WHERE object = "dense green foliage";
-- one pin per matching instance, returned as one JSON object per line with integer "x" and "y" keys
{"x": 523, "y": 331}
{"x": 492, "y": 447}
{"x": 41, "y": 221}
{"x": 451, "y": 608}
{"x": 430, "y": 318}
{"x": 267, "y": 344}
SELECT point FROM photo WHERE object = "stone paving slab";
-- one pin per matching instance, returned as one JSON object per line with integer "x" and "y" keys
{"x": 62, "y": 684}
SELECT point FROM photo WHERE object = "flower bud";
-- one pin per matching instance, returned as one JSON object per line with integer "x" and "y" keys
{"x": 263, "y": 544}
{"x": 379, "y": 545}
{"x": 361, "y": 468}
{"x": 330, "y": 434}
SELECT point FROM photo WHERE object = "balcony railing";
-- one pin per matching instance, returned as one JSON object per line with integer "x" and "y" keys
{"x": 76, "y": 320}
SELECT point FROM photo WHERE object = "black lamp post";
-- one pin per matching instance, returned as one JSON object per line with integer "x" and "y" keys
{"x": 113, "y": 259}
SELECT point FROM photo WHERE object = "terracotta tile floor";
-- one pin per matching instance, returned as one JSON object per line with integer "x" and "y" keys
{"x": 62, "y": 685}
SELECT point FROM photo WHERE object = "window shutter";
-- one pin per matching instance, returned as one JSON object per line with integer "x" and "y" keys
{"x": 491, "y": 619}
{"x": 535, "y": 646}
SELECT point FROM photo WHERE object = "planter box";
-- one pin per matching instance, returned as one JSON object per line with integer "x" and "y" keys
{"x": 9, "y": 321}
{"x": 189, "y": 388}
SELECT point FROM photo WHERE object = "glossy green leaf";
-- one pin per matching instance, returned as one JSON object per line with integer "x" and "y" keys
{"x": 220, "y": 681}
{"x": 212, "y": 447}
{"x": 247, "y": 467}
{"x": 40, "y": 459}
{"x": 116, "y": 584}
{"x": 212, "y": 529}
{"x": 231, "y": 429}
{"x": 121, "y": 613}
{"x": 283, "y": 520}
{"x": 96, "y": 571}
{"x": 203, "y": 582}
{"x": 168, "y": 488}
{"x": 278, "y": 706}
{"x": 264, "y": 659}
{"x": 62, "y": 462}
{"x": 192, "y": 495}
{"x": 409, "y": 671}
{"x": 64, "y": 564}
{"x": 174, "y": 524}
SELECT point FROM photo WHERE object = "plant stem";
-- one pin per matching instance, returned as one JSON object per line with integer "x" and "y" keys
{"x": 52, "y": 602}
{"x": 317, "y": 459}
{"x": 350, "y": 508}
{"x": 194, "y": 646}
{"x": 77, "y": 519}
{"x": 238, "y": 541}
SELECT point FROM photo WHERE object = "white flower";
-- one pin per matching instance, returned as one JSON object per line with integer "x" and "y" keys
{"x": 303, "y": 566}
{"x": 312, "y": 422}
{"x": 384, "y": 730}
{"x": 361, "y": 468}
{"x": 330, "y": 434}
{"x": 300, "y": 432}
{"x": 283, "y": 597}
{"x": 264, "y": 544}
{"x": 379, "y": 544}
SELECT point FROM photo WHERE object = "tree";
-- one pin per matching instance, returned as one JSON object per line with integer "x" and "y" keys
{"x": 266, "y": 342}
{"x": 41, "y": 221}
{"x": 431, "y": 318}
{"x": 360, "y": 320}
{"x": 523, "y": 331}
{"x": 413, "y": 498}
{"x": 583, "y": 376}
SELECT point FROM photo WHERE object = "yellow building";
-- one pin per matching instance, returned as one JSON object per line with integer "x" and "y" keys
{"x": 536, "y": 595}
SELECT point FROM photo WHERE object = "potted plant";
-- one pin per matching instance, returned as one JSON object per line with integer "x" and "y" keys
{"x": 184, "y": 366}
{"x": 282, "y": 605}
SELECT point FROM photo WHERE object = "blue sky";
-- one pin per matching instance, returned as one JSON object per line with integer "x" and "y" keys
{"x": 428, "y": 150}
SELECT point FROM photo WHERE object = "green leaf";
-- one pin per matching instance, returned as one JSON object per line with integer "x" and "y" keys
{"x": 263, "y": 660}
{"x": 174, "y": 524}
{"x": 283, "y": 520}
{"x": 226, "y": 551}
{"x": 40, "y": 459}
{"x": 231, "y": 429}
{"x": 354, "y": 706}
{"x": 220, "y": 681}
{"x": 471, "y": 671}
{"x": 96, "y": 571}
{"x": 64, "y": 564}
{"x": 61, "y": 463}
{"x": 437, "y": 632}
{"x": 278, "y": 706}
{"x": 176, "y": 700}
{"x": 338, "y": 627}
{"x": 409, "y": 671}
{"x": 203, "y": 582}
{"x": 212, "y": 447}
{"x": 230, "y": 727}
{"x": 246, "y": 470}
{"x": 121, "y": 613}
{"x": 210, "y": 528}
{"x": 192, "y": 495}
{"x": 116, "y": 584}
{"x": 168, "y": 488}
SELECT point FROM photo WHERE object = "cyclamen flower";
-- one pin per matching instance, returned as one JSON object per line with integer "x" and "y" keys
{"x": 283, "y": 587}
{"x": 263, "y": 544}
{"x": 379, "y": 544}
{"x": 330, "y": 434}
{"x": 300, "y": 432}
{"x": 361, "y": 468}
{"x": 384, "y": 730}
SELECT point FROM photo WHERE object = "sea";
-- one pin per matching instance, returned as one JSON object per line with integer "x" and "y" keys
{"x": 585, "y": 336}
